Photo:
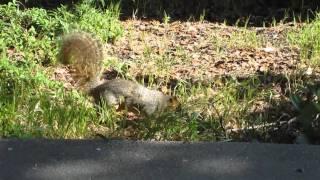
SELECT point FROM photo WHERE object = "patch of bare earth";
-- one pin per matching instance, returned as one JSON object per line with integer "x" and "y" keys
{"x": 203, "y": 50}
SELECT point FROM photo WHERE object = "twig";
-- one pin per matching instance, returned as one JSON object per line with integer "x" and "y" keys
{"x": 257, "y": 126}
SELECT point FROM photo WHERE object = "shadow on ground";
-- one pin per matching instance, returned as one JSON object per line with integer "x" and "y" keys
{"x": 257, "y": 12}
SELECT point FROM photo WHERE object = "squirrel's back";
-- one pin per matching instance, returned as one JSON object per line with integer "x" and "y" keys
{"x": 134, "y": 94}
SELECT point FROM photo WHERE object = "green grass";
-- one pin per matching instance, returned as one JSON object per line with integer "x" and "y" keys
{"x": 35, "y": 31}
{"x": 308, "y": 40}
{"x": 306, "y": 98}
{"x": 33, "y": 105}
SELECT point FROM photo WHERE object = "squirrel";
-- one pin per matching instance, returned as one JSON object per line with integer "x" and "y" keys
{"x": 84, "y": 55}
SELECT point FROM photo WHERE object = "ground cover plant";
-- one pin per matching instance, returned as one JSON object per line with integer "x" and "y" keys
{"x": 234, "y": 83}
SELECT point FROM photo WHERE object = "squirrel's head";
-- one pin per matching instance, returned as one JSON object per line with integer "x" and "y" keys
{"x": 173, "y": 103}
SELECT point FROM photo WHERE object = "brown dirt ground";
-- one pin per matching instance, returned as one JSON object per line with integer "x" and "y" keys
{"x": 203, "y": 50}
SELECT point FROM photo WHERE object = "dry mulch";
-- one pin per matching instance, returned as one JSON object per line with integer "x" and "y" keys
{"x": 200, "y": 50}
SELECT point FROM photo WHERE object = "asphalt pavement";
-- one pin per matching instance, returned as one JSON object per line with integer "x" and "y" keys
{"x": 114, "y": 159}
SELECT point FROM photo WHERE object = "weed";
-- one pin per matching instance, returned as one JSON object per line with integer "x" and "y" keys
{"x": 166, "y": 18}
{"x": 202, "y": 16}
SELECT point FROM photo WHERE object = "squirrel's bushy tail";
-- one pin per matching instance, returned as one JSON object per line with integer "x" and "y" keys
{"x": 84, "y": 55}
